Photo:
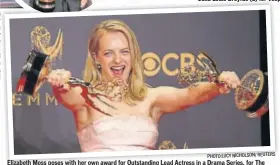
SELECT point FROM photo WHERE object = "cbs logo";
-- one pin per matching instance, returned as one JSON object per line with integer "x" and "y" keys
{"x": 153, "y": 64}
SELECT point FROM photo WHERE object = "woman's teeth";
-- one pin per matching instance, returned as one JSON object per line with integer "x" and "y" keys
{"x": 117, "y": 67}
{"x": 117, "y": 70}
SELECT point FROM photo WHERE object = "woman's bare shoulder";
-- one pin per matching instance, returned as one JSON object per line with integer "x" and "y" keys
{"x": 155, "y": 90}
{"x": 152, "y": 92}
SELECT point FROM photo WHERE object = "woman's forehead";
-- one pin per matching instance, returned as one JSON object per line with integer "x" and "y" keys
{"x": 114, "y": 40}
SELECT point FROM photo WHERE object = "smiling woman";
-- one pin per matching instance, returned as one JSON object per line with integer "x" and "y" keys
{"x": 116, "y": 102}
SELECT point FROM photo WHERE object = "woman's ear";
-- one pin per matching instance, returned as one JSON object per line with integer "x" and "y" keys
{"x": 93, "y": 55}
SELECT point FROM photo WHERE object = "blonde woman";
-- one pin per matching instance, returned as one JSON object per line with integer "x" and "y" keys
{"x": 126, "y": 116}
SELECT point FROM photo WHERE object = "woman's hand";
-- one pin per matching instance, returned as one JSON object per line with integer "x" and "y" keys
{"x": 229, "y": 80}
{"x": 59, "y": 78}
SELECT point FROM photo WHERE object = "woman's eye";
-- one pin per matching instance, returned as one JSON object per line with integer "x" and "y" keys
{"x": 126, "y": 52}
{"x": 107, "y": 53}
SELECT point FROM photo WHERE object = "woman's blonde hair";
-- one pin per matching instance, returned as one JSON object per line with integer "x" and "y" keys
{"x": 137, "y": 89}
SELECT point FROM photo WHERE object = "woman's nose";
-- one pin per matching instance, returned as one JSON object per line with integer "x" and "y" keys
{"x": 117, "y": 58}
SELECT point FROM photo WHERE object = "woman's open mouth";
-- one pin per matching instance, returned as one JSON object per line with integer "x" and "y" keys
{"x": 117, "y": 70}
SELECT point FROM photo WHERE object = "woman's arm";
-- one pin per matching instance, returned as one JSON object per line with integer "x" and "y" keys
{"x": 170, "y": 99}
{"x": 68, "y": 96}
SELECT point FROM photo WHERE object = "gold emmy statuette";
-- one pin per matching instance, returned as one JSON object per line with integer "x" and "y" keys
{"x": 167, "y": 145}
{"x": 41, "y": 41}
{"x": 203, "y": 69}
{"x": 38, "y": 63}
{"x": 251, "y": 96}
